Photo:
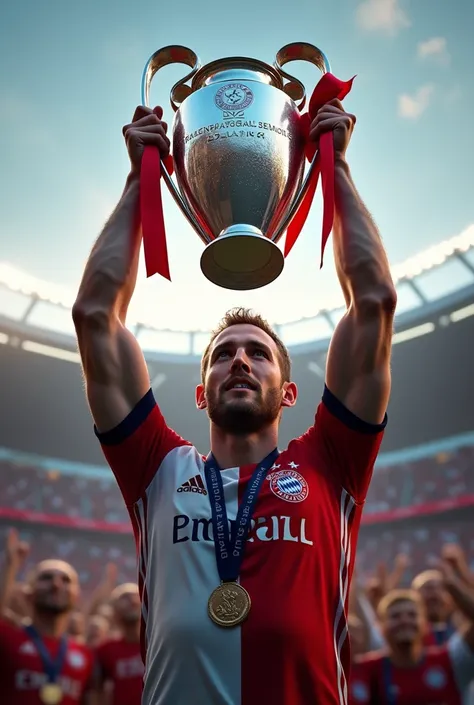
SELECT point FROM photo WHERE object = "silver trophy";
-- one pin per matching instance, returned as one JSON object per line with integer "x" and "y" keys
{"x": 238, "y": 146}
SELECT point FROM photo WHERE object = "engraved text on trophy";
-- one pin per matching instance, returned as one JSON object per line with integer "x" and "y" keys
{"x": 220, "y": 128}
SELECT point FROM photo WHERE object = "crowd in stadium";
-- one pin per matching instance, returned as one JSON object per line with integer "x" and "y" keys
{"x": 47, "y": 506}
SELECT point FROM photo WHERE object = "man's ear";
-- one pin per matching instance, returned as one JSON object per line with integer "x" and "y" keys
{"x": 201, "y": 402}
{"x": 290, "y": 394}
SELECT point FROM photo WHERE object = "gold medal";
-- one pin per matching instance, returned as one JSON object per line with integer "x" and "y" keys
{"x": 51, "y": 694}
{"x": 229, "y": 604}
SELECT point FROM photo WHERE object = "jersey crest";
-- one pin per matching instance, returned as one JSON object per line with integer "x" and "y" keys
{"x": 288, "y": 484}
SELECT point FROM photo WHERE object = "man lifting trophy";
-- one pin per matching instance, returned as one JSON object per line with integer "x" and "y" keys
{"x": 245, "y": 554}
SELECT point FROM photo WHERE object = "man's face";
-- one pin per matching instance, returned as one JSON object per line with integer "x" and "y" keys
{"x": 127, "y": 607}
{"x": 404, "y": 624}
{"x": 77, "y": 625}
{"x": 55, "y": 588}
{"x": 243, "y": 391}
{"x": 437, "y": 601}
{"x": 97, "y": 630}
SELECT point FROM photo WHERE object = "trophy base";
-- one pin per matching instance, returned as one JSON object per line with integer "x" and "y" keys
{"x": 242, "y": 258}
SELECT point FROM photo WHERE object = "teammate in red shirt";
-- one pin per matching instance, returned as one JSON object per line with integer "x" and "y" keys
{"x": 39, "y": 664}
{"x": 408, "y": 672}
{"x": 245, "y": 556}
{"x": 119, "y": 663}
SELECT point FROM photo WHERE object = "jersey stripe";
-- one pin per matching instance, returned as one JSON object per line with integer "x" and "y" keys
{"x": 347, "y": 505}
{"x": 139, "y": 521}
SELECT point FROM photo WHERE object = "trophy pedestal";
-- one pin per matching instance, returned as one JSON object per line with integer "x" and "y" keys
{"x": 242, "y": 258}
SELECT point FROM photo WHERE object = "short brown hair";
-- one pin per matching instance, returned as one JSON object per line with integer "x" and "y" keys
{"x": 124, "y": 589}
{"x": 395, "y": 596}
{"x": 425, "y": 577}
{"x": 238, "y": 316}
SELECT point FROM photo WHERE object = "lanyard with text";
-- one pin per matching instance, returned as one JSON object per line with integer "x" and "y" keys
{"x": 229, "y": 604}
{"x": 50, "y": 692}
{"x": 389, "y": 690}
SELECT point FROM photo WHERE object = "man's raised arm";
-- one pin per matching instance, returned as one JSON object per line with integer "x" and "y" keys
{"x": 114, "y": 367}
{"x": 358, "y": 365}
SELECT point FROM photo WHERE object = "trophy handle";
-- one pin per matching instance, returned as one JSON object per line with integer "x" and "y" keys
{"x": 163, "y": 57}
{"x": 174, "y": 54}
{"x": 299, "y": 51}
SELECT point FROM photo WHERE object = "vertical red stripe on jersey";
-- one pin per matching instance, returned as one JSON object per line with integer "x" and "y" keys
{"x": 200, "y": 482}
{"x": 139, "y": 523}
{"x": 145, "y": 550}
{"x": 340, "y": 622}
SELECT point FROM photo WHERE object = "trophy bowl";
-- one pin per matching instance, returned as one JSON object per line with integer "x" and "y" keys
{"x": 238, "y": 145}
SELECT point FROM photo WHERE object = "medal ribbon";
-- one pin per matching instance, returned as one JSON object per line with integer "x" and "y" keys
{"x": 230, "y": 548}
{"x": 328, "y": 88}
{"x": 52, "y": 668}
{"x": 389, "y": 691}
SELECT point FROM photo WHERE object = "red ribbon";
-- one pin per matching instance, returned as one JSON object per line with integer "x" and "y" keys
{"x": 151, "y": 205}
{"x": 328, "y": 88}
{"x": 151, "y": 210}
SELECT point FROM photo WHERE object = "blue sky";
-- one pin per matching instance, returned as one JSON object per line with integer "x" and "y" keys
{"x": 70, "y": 78}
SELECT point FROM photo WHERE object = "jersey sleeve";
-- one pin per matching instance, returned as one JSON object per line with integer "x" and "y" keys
{"x": 136, "y": 447}
{"x": 462, "y": 661}
{"x": 349, "y": 445}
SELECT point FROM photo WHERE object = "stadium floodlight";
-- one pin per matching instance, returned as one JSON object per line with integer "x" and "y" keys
{"x": 21, "y": 282}
{"x": 462, "y": 313}
{"x": 434, "y": 256}
{"x": 50, "y": 351}
{"x": 411, "y": 333}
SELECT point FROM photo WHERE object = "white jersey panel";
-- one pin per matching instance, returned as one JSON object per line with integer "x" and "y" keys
{"x": 193, "y": 660}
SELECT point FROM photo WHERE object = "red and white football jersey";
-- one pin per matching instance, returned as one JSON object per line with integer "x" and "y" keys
{"x": 293, "y": 647}
{"x": 442, "y": 677}
{"x": 120, "y": 663}
{"x": 21, "y": 668}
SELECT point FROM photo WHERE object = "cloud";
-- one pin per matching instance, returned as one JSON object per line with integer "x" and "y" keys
{"x": 434, "y": 48}
{"x": 385, "y": 16}
{"x": 412, "y": 106}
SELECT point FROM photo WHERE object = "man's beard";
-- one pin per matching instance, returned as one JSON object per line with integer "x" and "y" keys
{"x": 241, "y": 417}
{"x": 52, "y": 609}
{"x": 130, "y": 617}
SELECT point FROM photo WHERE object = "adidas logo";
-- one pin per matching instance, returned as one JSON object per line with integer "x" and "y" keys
{"x": 195, "y": 484}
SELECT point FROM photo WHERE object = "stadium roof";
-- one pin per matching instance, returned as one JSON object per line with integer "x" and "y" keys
{"x": 430, "y": 276}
